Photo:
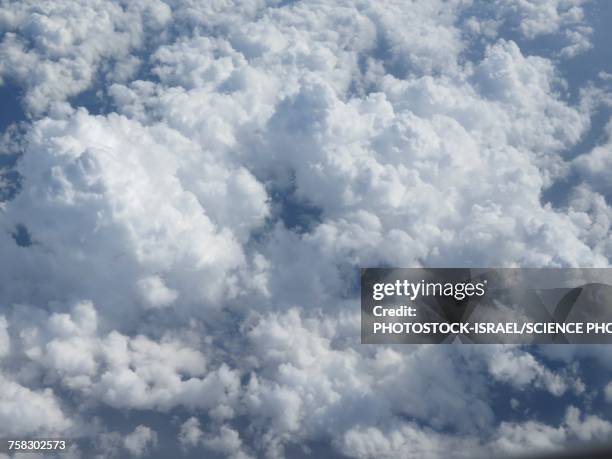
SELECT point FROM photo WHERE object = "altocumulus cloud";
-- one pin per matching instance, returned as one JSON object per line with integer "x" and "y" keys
{"x": 155, "y": 293}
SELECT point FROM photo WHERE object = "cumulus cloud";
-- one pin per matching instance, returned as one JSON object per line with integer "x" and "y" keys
{"x": 56, "y": 49}
{"x": 535, "y": 436}
{"x": 140, "y": 441}
{"x": 534, "y": 19}
{"x": 119, "y": 370}
{"x": 29, "y": 412}
{"x": 405, "y": 440}
{"x": 142, "y": 222}
{"x": 152, "y": 260}
{"x": 227, "y": 442}
{"x": 155, "y": 293}
{"x": 190, "y": 433}
{"x": 594, "y": 164}
{"x": 521, "y": 369}
{"x": 5, "y": 339}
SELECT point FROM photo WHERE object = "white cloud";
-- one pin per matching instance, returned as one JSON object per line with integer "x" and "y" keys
{"x": 145, "y": 221}
{"x": 608, "y": 392}
{"x": 304, "y": 386}
{"x": 56, "y": 48}
{"x": 564, "y": 19}
{"x": 27, "y": 412}
{"x": 155, "y": 293}
{"x": 190, "y": 433}
{"x": 140, "y": 441}
{"x": 227, "y": 442}
{"x": 537, "y": 18}
{"x": 594, "y": 164}
{"x": 409, "y": 441}
{"x": 5, "y": 339}
{"x": 533, "y": 436}
{"x": 522, "y": 370}
{"x": 122, "y": 371}
{"x": 163, "y": 274}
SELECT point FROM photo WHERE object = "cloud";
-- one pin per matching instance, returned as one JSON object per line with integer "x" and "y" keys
{"x": 608, "y": 392}
{"x": 121, "y": 371}
{"x": 140, "y": 441}
{"x": 227, "y": 442}
{"x": 522, "y": 370}
{"x": 122, "y": 217}
{"x": 592, "y": 165}
{"x": 532, "y": 20}
{"x": 21, "y": 408}
{"x": 160, "y": 271}
{"x": 406, "y": 440}
{"x": 57, "y": 49}
{"x": 304, "y": 386}
{"x": 190, "y": 433}
{"x": 5, "y": 339}
{"x": 533, "y": 436}
{"x": 155, "y": 293}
